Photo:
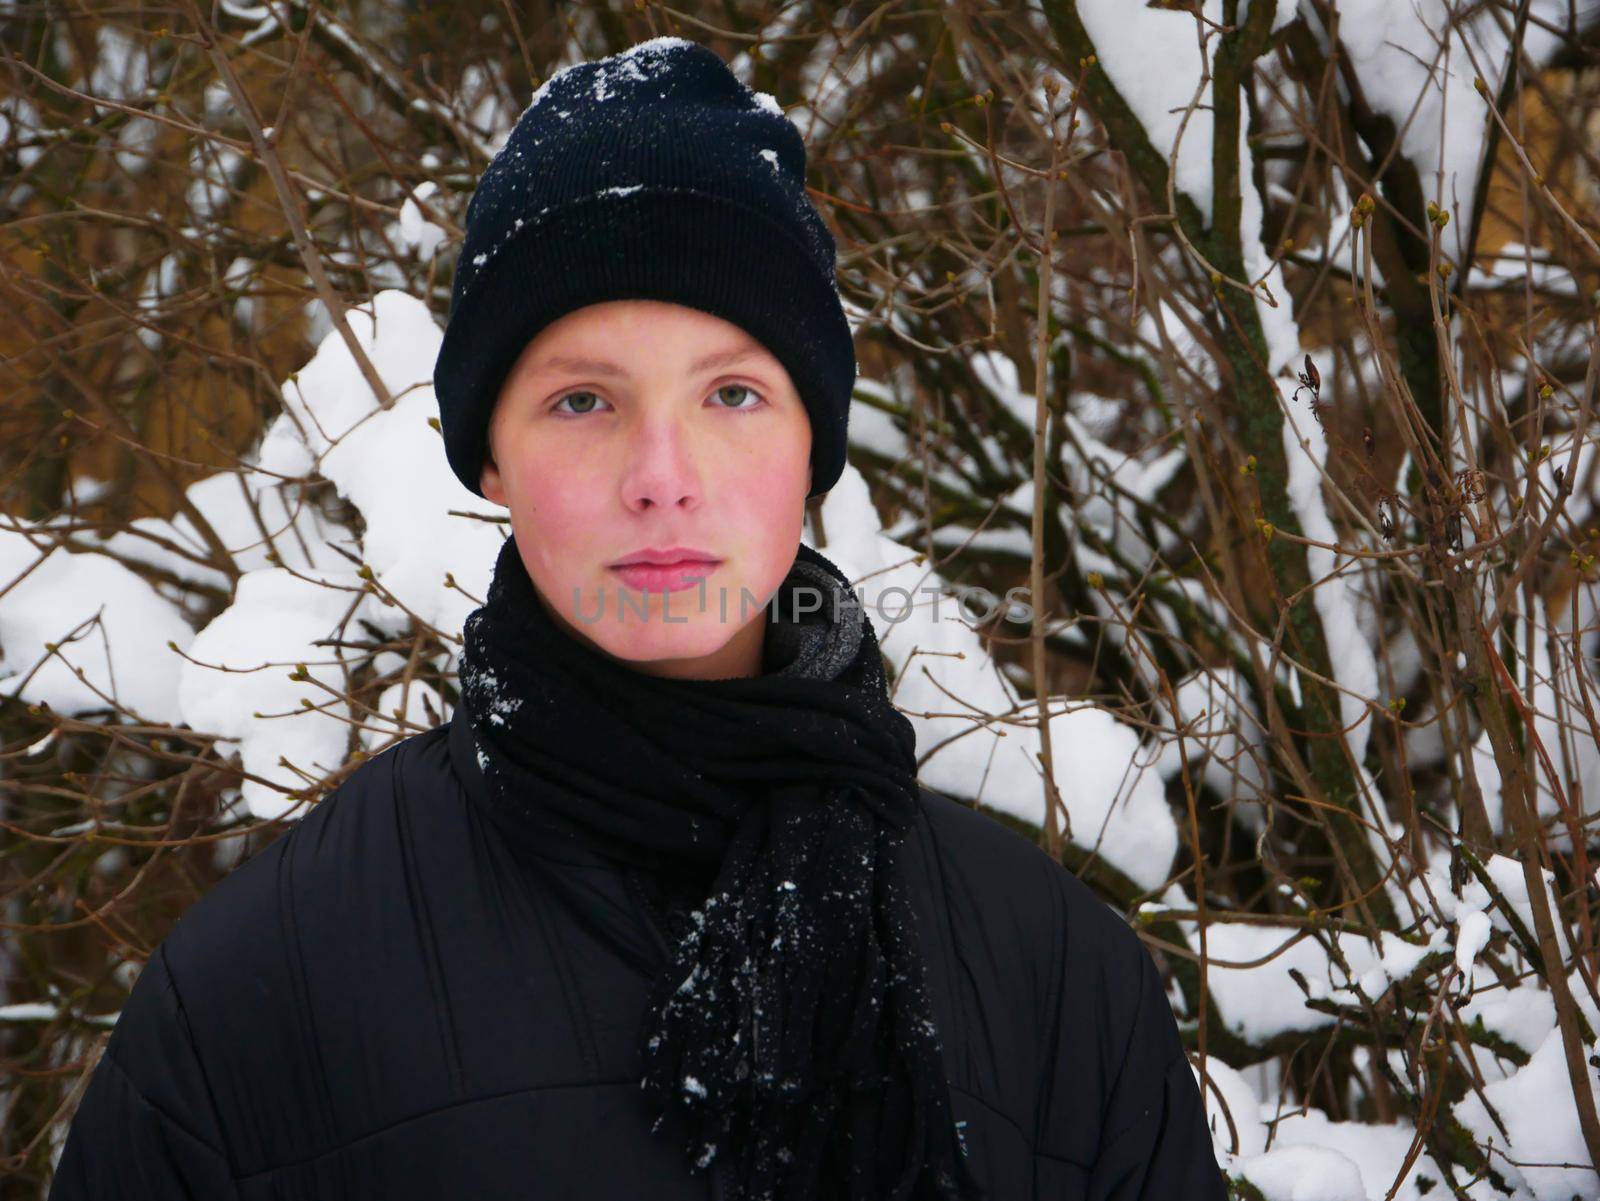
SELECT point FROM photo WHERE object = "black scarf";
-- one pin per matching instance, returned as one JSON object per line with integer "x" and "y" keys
{"x": 792, "y": 1031}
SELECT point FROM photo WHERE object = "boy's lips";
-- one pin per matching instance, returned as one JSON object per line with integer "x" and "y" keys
{"x": 667, "y": 557}
{"x": 665, "y": 577}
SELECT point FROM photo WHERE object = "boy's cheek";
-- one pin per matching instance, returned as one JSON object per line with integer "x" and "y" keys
{"x": 776, "y": 477}
{"x": 552, "y": 483}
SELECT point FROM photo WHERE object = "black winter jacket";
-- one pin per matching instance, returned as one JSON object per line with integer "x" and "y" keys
{"x": 394, "y": 1001}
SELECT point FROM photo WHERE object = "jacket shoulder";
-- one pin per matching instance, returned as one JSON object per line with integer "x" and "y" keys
{"x": 1043, "y": 956}
{"x": 232, "y": 932}
{"x": 994, "y": 870}
{"x": 289, "y": 956}
{"x": 1115, "y": 1104}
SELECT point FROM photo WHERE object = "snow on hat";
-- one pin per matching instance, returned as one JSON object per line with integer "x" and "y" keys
{"x": 650, "y": 174}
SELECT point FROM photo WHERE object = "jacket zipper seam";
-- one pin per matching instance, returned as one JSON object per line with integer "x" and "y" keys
{"x": 655, "y": 919}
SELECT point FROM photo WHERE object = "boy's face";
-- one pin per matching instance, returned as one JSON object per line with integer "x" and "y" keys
{"x": 615, "y": 433}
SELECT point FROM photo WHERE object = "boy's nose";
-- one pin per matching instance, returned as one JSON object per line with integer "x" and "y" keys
{"x": 661, "y": 466}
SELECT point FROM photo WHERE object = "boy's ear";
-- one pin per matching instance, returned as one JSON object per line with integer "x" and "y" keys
{"x": 489, "y": 481}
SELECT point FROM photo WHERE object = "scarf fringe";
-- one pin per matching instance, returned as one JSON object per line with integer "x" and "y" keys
{"x": 810, "y": 1058}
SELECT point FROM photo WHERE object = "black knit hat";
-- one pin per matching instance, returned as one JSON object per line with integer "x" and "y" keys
{"x": 652, "y": 174}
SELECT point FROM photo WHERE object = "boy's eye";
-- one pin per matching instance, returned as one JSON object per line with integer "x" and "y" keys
{"x": 722, "y": 392}
{"x": 580, "y": 395}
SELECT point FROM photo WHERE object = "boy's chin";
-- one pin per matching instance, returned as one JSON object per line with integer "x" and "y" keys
{"x": 645, "y": 619}
{"x": 697, "y": 648}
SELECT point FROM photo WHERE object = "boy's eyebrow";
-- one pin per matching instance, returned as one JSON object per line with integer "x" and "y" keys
{"x": 720, "y": 358}
{"x": 567, "y": 362}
